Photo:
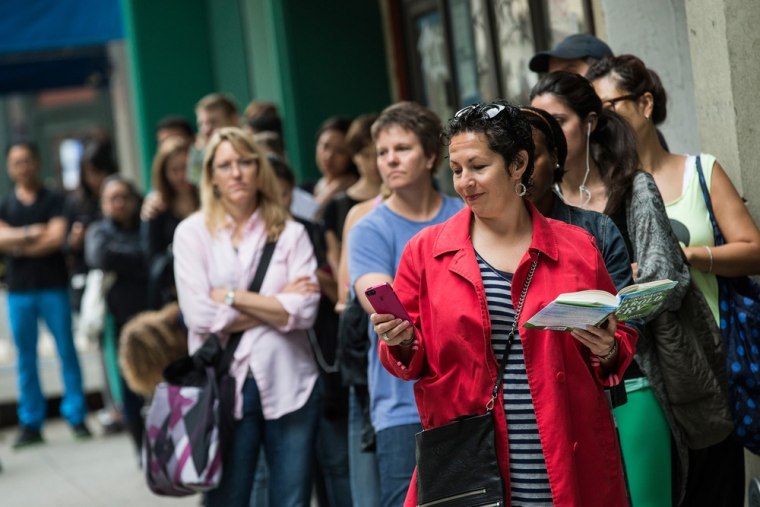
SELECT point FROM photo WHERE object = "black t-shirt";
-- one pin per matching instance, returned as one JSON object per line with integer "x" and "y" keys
{"x": 33, "y": 273}
{"x": 335, "y": 213}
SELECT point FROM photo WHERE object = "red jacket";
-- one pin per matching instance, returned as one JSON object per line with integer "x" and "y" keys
{"x": 439, "y": 283}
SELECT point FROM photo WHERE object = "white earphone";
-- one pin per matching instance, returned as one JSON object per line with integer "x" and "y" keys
{"x": 588, "y": 129}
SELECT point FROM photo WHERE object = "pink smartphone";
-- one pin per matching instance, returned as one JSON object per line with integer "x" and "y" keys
{"x": 384, "y": 300}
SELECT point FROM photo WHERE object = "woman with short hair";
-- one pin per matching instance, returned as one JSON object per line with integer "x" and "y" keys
{"x": 467, "y": 282}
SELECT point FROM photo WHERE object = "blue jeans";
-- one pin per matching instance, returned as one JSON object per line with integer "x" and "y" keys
{"x": 362, "y": 466}
{"x": 395, "y": 462}
{"x": 24, "y": 311}
{"x": 288, "y": 445}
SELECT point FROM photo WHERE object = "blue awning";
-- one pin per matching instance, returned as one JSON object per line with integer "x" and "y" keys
{"x": 48, "y": 44}
{"x": 42, "y": 25}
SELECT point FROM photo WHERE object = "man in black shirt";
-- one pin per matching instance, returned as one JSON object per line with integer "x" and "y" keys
{"x": 32, "y": 231}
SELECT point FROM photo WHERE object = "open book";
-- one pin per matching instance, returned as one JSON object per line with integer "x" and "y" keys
{"x": 592, "y": 307}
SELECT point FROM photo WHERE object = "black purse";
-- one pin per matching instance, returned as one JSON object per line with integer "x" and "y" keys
{"x": 457, "y": 464}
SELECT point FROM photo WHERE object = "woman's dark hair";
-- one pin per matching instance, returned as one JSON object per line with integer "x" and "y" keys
{"x": 339, "y": 123}
{"x": 99, "y": 155}
{"x": 266, "y": 123}
{"x": 176, "y": 122}
{"x": 359, "y": 134}
{"x": 281, "y": 169}
{"x": 553, "y": 136}
{"x": 507, "y": 131}
{"x": 634, "y": 78}
{"x": 30, "y": 146}
{"x": 417, "y": 119}
{"x": 613, "y": 146}
{"x": 118, "y": 178}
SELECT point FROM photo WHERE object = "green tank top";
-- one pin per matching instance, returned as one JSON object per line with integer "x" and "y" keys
{"x": 691, "y": 222}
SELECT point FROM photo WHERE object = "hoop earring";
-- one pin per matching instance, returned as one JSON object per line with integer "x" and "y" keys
{"x": 521, "y": 189}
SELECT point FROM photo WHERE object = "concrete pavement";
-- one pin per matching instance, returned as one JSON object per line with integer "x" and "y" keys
{"x": 63, "y": 472}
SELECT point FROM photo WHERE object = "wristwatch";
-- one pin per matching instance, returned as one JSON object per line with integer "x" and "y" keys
{"x": 229, "y": 298}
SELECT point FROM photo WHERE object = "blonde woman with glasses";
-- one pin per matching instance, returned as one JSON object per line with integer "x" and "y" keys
{"x": 217, "y": 251}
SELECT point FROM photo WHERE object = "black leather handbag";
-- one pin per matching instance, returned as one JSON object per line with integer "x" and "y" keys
{"x": 457, "y": 465}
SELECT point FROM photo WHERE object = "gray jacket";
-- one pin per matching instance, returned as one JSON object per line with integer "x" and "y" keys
{"x": 680, "y": 349}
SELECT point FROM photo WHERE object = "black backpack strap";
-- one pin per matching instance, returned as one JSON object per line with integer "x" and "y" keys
{"x": 258, "y": 279}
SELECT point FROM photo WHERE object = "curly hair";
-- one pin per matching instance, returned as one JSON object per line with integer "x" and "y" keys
{"x": 506, "y": 129}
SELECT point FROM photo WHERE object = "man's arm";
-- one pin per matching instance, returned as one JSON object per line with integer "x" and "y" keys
{"x": 13, "y": 239}
{"x": 50, "y": 240}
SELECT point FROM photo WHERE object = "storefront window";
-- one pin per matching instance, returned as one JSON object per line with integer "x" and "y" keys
{"x": 431, "y": 48}
{"x": 566, "y": 17}
{"x": 516, "y": 48}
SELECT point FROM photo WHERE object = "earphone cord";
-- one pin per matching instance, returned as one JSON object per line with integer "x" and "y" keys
{"x": 582, "y": 186}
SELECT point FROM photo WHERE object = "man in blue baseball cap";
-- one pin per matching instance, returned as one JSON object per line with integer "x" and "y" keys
{"x": 575, "y": 53}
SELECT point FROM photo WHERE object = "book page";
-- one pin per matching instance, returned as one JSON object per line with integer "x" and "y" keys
{"x": 564, "y": 317}
{"x": 588, "y": 297}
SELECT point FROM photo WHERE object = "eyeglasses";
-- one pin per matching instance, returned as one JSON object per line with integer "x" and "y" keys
{"x": 610, "y": 103}
{"x": 244, "y": 164}
{"x": 121, "y": 197}
{"x": 488, "y": 111}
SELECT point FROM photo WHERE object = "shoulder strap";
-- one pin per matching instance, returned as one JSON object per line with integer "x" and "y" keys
{"x": 511, "y": 337}
{"x": 719, "y": 240}
{"x": 258, "y": 279}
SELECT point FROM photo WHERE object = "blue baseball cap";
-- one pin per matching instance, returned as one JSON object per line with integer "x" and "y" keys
{"x": 579, "y": 45}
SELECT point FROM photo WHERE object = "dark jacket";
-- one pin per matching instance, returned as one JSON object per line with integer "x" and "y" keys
{"x": 608, "y": 239}
{"x": 118, "y": 250}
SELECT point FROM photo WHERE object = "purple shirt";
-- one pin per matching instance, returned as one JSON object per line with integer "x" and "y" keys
{"x": 281, "y": 358}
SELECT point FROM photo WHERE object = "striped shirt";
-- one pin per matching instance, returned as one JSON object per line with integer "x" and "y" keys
{"x": 527, "y": 468}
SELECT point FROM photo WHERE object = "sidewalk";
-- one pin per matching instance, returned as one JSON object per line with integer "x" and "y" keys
{"x": 63, "y": 472}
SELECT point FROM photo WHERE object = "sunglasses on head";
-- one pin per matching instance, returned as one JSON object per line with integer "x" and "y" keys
{"x": 487, "y": 111}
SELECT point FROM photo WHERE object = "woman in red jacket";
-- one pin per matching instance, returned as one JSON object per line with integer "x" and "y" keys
{"x": 459, "y": 280}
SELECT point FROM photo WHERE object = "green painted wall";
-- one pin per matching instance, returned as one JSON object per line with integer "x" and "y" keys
{"x": 326, "y": 58}
{"x": 313, "y": 59}
{"x": 171, "y": 63}
{"x": 228, "y": 50}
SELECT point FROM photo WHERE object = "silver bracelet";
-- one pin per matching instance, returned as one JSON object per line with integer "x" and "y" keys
{"x": 611, "y": 352}
{"x": 709, "y": 252}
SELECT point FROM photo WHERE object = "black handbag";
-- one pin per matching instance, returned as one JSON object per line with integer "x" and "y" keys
{"x": 457, "y": 464}
{"x": 740, "y": 326}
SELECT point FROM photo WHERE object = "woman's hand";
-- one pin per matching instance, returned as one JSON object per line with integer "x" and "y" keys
{"x": 76, "y": 236}
{"x": 600, "y": 341}
{"x": 392, "y": 330}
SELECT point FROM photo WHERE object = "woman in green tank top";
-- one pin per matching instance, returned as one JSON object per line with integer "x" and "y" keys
{"x": 626, "y": 85}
